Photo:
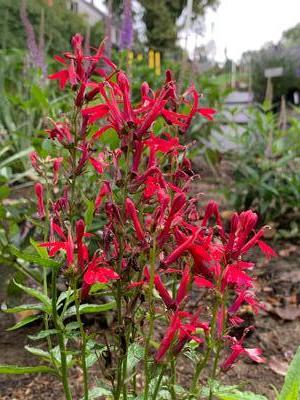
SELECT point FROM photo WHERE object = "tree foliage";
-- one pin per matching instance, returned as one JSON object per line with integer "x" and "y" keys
{"x": 291, "y": 37}
{"x": 161, "y": 17}
{"x": 273, "y": 56}
{"x": 60, "y": 24}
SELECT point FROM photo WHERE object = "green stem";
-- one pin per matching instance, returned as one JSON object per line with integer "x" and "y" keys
{"x": 61, "y": 343}
{"x": 157, "y": 386}
{"x": 151, "y": 319}
{"x": 83, "y": 344}
{"x": 201, "y": 364}
{"x": 124, "y": 376}
{"x": 173, "y": 379}
{"x": 46, "y": 322}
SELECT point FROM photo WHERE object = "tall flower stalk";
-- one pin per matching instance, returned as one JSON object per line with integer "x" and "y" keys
{"x": 127, "y": 26}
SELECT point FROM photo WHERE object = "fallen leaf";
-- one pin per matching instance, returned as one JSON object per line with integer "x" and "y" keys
{"x": 289, "y": 313}
{"x": 290, "y": 276}
{"x": 288, "y": 250}
{"x": 278, "y": 366}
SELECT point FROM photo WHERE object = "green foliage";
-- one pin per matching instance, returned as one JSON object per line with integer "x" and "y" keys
{"x": 135, "y": 354}
{"x": 222, "y": 392}
{"x": 273, "y": 56}
{"x": 34, "y": 259}
{"x": 264, "y": 163}
{"x": 60, "y": 24}
{"x": 36, "y": 294}
{"x": 24, "y": 321}
{"x": 90, "y": 309}
{"x": 291, "y": 37}
{"x": 160, "y": 20}
{"x": 291, "y": 387}
{"x": 17, "y": 370}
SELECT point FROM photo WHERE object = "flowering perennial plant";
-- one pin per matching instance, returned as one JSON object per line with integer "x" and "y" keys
{"x": 120, "y": 226}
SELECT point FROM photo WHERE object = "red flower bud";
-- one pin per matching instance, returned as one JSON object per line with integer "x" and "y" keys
{"x": 39, "y": 191}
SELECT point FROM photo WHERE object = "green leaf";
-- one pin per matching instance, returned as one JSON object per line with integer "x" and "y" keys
{"x": 291, "y": 387}
{"x": 24, "y": 307}
{"x": 97, "y": 392}
{"x": 57, "y": 355}
{"x": 135, "y": 354}
{"x": 237, "y": 395}
{"x": 71, "y": 326}
{"x": 43, "y": 334}
{"x": 230, "y": 393}
{"x": 24, "y": 321}
{"x": 14, "y": 369}
{"x": 68, "y": 294}
{"x": 38, "y": 96}
{"x": 43, "y": 262}
{"x": 37, "y": 294}
{"x": 90, "y": 309}
{"x": 110, "y": 138}
{"x": 4, "y": 192}
{"x": 38, "y": 352}
{"x": 42, "y": 251}
{"x": 16, "y": 156}
{"x": 88, "y": 215}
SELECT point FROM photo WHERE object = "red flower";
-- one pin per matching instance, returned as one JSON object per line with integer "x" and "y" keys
{"x": 95, "y": 112}
{"x": 151, "y": 187}
{"x": 39, "y": 191}
{"x": 66, "y": 245}
{"x": 104, "y": 190}
{"x": 168, "y": 338}
{"x": 238, "y": 349}
{"x": 61, "y": 132}
{"x": 98, "y": 272}
{"x": 56, "y": 166}
{"x": 99, "y": 163}
{"x": 131, "y": 212}
{"x": 207, "y": 113}
{"x": 244, "y": 296}
{"x": 82, "y": 250}
{"x": 183, "y": 286}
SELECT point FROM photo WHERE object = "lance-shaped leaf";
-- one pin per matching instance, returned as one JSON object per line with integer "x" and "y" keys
{"x": 34, "y": 259}
{"x": 24, "y": 307}
{"x": 291, "y": 387}
{"x": 24, "y": 321}
{"x": 37, "y": 294}
{"x": 15, "y": 369}
{"x": 90, "y": 309}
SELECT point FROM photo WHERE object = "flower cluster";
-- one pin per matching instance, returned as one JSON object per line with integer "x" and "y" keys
{"x": 150, "y": 232}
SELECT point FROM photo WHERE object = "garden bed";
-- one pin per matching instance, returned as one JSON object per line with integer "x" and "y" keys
{"x": 277, "y": 333}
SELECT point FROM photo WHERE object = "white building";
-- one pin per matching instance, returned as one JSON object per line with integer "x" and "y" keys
{"x": 93, "y": 15}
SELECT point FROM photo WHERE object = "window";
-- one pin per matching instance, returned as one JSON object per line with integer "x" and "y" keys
{"x": 74, "y": 6}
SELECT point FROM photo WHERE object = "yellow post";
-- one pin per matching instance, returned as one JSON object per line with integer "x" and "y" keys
{"x": 130, "y": 57}
{"x": 157, "y": 63}
{"x": 151, "y": 59}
